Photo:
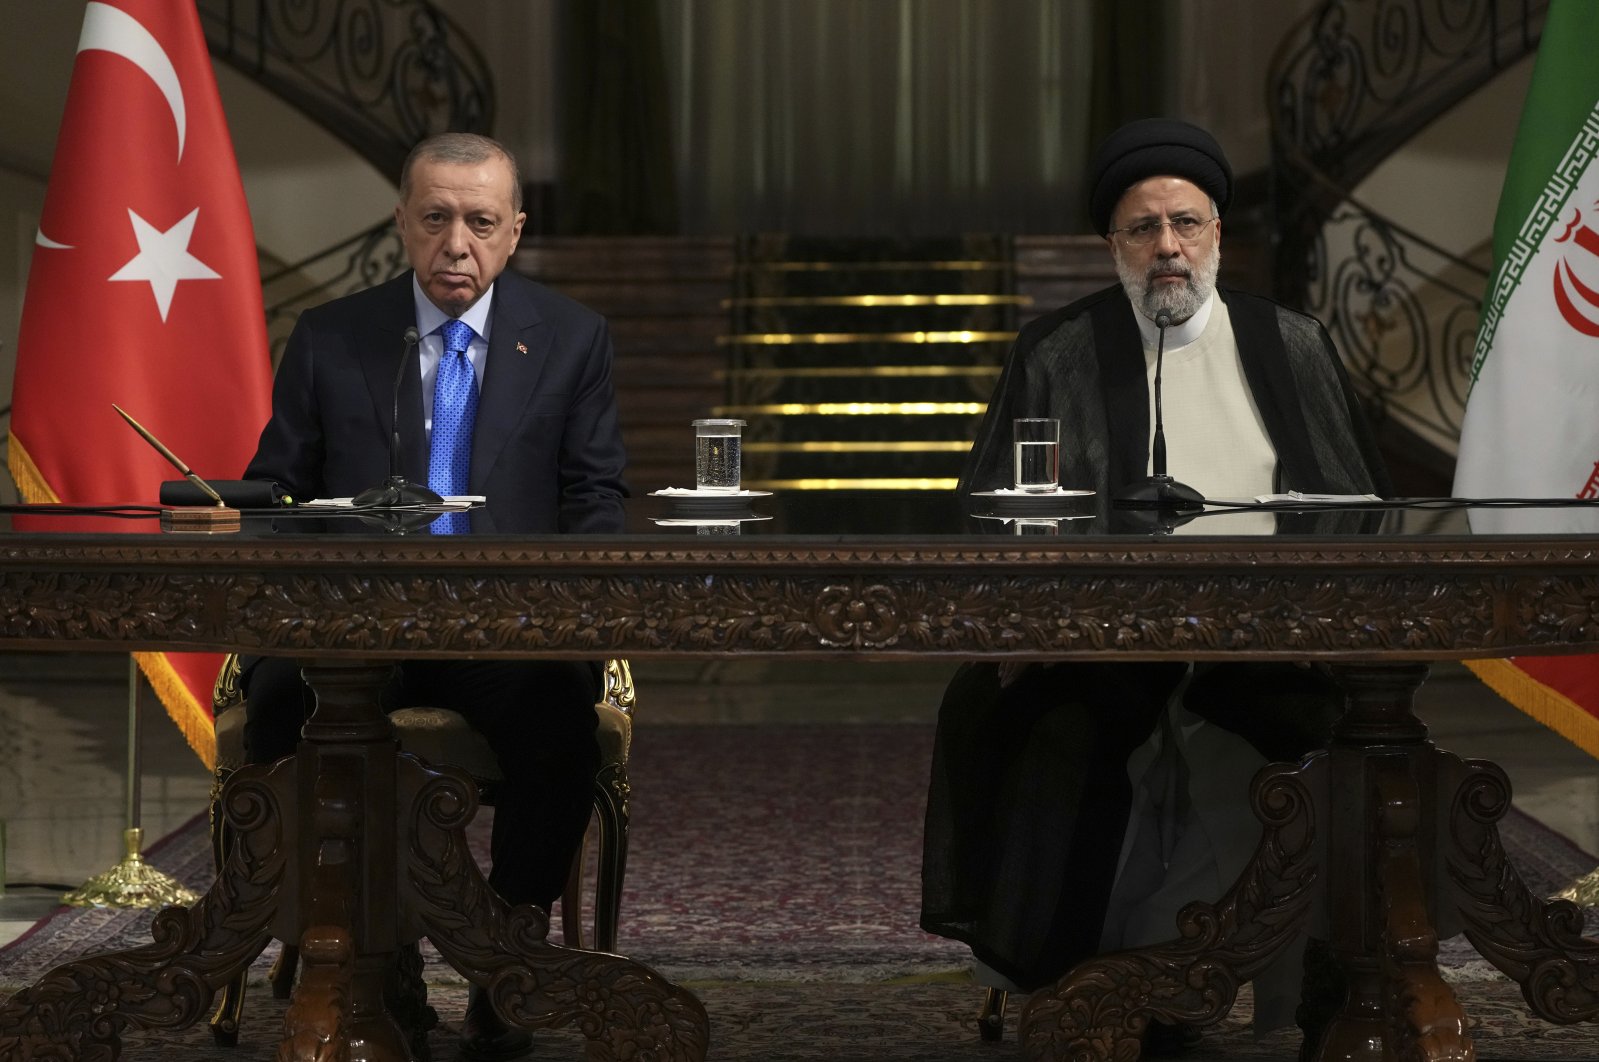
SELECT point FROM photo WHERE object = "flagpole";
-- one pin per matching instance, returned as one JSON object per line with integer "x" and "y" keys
{"x": 132, "y": 882}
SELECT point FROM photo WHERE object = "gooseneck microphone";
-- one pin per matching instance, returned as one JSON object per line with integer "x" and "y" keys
{"x": 1159, "y": 491}
{"x": 396, "y": 490}
{"x": 1158, "y": 447}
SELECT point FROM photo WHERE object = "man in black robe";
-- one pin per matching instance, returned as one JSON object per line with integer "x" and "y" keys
{"x": 1030, "y": 794}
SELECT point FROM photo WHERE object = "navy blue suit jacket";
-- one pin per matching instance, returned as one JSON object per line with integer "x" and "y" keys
{"x": 546, "y": 447}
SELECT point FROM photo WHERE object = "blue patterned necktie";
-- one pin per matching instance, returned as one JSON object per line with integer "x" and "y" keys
{"x": 454, "y": 410}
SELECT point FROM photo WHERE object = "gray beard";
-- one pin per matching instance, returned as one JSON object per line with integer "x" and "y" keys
{"x": 1181, "y": 301}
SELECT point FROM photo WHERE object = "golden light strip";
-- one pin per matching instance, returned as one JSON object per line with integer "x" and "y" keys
{"x": 852, "y": 409}
{"x": 956, "y": 265}
{"x": 929, "y": 483}
{"x": 931, "y": 446}
{"x": 783, "y": 339}
{"x": 881, "y": 300}
{"x": 862, "y": 370}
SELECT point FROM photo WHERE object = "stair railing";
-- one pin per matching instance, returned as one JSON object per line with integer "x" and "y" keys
{"x": 1403, "y": 312}
{"x": 1358, "y": 78}
{"x": 1351, "y": 85}
{"x": 379, "y": 75}
{"x": 354, "y": 264}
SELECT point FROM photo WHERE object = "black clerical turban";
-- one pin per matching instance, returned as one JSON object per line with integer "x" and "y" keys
{"x": 1155, "y": 147}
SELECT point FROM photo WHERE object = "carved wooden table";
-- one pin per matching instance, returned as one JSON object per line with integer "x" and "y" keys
{"x": 1411, "y": 849}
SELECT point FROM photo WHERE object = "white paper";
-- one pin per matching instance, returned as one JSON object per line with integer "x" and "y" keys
{"x": 451, "y": 503}
{"x": 1294, "y": 495}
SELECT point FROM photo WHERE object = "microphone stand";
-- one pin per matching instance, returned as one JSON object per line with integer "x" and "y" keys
{"x": 1159, "y": 492}
{"x": 397, "y": 490}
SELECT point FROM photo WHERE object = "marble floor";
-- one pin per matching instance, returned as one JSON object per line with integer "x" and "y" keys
{"x": 64, "y": 730}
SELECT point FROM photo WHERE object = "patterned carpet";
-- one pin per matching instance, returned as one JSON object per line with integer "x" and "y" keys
{"x": 774, "y": 871}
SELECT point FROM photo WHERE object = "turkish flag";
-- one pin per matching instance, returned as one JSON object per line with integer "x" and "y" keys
{"x": 143, "y": 292}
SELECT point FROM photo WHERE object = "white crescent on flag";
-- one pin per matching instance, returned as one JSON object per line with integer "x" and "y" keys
{"x": 110, "y": 29}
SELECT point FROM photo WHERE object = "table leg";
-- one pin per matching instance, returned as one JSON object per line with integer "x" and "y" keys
{"x": 1100, "y": 1009}
{"x": 1537, "y": 943}
{"x": 346, "y": 916}
{"x": 625, "y": 1009}
{"x": 385, "y": 859}
{"x": 353, "y": 880}
{"x": 1378, "y": 789}
{"x": 1417, "y": 1014}
{"x": 1381, "y": 892}
{"x": 80, "y": 1009}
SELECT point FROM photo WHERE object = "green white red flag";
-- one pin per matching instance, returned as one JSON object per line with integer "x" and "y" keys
{"x": 144, "y": 292}
{"x": 1532, "y": 417}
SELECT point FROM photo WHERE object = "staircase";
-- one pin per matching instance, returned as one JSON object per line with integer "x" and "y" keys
{"x": 865, "y": 364}
{"x": 677, "y": 322}
{"x": 665, "y": 300}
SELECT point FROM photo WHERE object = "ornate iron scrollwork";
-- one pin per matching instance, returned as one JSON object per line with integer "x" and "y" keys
{"x": 1403, "y": 313}
{"x": 378, "y": 74}
{"x": 365, "y": 259}
{"x": 1357, "y": 80}
{"x": 1364, "y": 75}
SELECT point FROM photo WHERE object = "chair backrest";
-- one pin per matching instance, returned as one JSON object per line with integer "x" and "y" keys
{"x": 226, "y": 691}
{"x": 619, "y": 692}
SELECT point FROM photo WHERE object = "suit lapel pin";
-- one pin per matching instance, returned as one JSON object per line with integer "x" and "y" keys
{"x": 521, "y": 347}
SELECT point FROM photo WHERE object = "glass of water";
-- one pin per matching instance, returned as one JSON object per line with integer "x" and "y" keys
{"x": 717, "y": 455}
{"x": 1037, "y": 454}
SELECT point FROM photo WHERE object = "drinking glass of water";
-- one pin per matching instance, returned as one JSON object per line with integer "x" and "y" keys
{"x": 717, "y": 454}
{"x": 1037, "y": 454}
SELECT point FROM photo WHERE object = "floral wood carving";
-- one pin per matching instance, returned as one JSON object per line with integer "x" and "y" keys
{"x": 79, "y": 1010}
{"x": 1099, "y": 1010}
{"x": 1537, "y": 943}
{"x": 299, "y": 597}
{"x": 626, "y": 1010}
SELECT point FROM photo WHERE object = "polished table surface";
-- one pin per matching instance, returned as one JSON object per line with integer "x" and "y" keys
{"x": 890, "y": 578}
{"x": 865, "y": 587}
{"x": 1374, "y": 592}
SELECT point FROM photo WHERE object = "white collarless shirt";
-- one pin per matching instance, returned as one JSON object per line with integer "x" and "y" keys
{"x": 1216, "y": 441}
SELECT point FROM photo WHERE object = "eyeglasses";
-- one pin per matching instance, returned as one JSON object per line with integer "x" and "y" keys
{"x": 1186, "y": 229}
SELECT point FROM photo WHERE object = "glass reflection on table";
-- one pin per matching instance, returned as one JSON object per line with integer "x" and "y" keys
{"x": 925, "y": 514}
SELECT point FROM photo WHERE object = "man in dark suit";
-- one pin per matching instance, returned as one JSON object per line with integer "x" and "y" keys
{"x": 509, "y": 397}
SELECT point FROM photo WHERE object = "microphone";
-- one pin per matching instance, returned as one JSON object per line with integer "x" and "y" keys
{"x": 1158, "y": 447}
{"x": 1158, "y": 490}
{"x": 396, "y": 490}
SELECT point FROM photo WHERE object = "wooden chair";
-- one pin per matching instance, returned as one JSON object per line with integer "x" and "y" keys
{"x": 436, "y": 735}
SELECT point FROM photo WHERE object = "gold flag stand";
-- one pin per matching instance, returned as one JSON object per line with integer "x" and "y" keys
{"x": 132, "y": 882}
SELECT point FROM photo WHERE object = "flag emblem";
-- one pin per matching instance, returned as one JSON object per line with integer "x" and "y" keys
{"x": 1569, "y": 288}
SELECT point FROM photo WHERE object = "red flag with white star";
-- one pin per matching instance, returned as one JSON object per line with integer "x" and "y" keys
{"x": 143, "y": 292}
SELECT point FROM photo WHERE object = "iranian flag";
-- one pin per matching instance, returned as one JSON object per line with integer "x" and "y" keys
{"x": 1532, "y": 417}
{"x": 144, "y": 292}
